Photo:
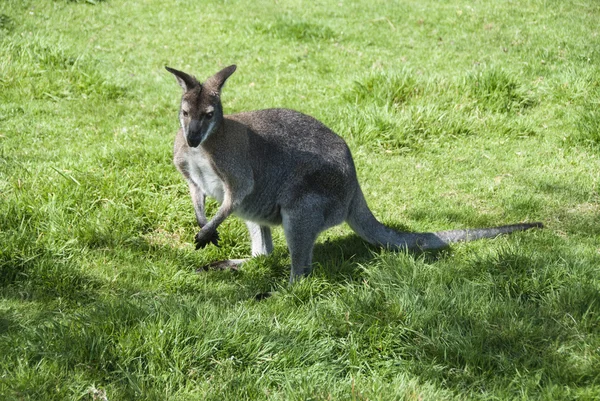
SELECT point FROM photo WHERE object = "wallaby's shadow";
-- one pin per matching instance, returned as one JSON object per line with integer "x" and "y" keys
{"x": 339, "y": 258}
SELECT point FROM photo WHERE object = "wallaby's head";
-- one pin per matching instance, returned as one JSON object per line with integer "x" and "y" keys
{"x": 201, "y": 112}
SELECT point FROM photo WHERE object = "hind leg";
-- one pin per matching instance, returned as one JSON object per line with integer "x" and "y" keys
{"x": 262, "y": 243}
{"x": 302, "y": 225}
{"x": 300, "y": 238}
{"x": 302, "y": 222}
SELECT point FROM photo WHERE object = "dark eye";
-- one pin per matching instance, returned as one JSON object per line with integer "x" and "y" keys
{"x": 210, "y": 115}
{"x": 185, "y": 113}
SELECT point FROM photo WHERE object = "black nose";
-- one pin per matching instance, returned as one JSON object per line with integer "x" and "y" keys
{"x": 194, "y": 135}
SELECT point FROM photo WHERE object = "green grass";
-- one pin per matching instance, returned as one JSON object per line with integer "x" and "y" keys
{"x": 458, "y": 115}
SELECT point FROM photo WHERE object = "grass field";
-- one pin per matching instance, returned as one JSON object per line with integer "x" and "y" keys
{"x": 459, "y": 114}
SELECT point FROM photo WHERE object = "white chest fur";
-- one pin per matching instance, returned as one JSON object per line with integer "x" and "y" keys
{"x": 203, "y": 175}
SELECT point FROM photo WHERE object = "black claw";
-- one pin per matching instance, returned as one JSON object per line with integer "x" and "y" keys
{"x": 215, "y": 239}
{"x": 199, "y": 243}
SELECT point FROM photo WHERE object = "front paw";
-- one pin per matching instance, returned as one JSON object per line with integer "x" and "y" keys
{"x": 204, "y": 238}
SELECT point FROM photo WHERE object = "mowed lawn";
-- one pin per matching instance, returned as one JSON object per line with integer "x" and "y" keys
{"x": 459, "y": 114}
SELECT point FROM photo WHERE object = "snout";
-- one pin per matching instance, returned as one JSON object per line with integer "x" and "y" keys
{"x": 194, "y": 133}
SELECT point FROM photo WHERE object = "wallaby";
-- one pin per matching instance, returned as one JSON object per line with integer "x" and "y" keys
{"x": 280, "y": 166}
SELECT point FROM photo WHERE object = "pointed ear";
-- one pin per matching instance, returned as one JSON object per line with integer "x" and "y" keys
{"x": 184, "y": 80}
{"x": 220, "y": 77}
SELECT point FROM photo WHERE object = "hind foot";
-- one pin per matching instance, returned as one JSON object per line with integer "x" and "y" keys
{"x": 229, "y": 264}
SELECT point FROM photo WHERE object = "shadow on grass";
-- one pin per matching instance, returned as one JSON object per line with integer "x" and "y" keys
{"x": 539, "y": 310}
{"x": 538, "y": 303}
{"x": 337, "y": 258}
{"x": 503, "y": 311}
{"x": 44, "y": 277}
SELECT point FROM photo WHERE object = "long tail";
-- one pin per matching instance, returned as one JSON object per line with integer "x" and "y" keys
{"x": 362, "y": 221}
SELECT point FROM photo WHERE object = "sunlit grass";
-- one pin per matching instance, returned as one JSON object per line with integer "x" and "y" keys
{"x": 458, "y": 116}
